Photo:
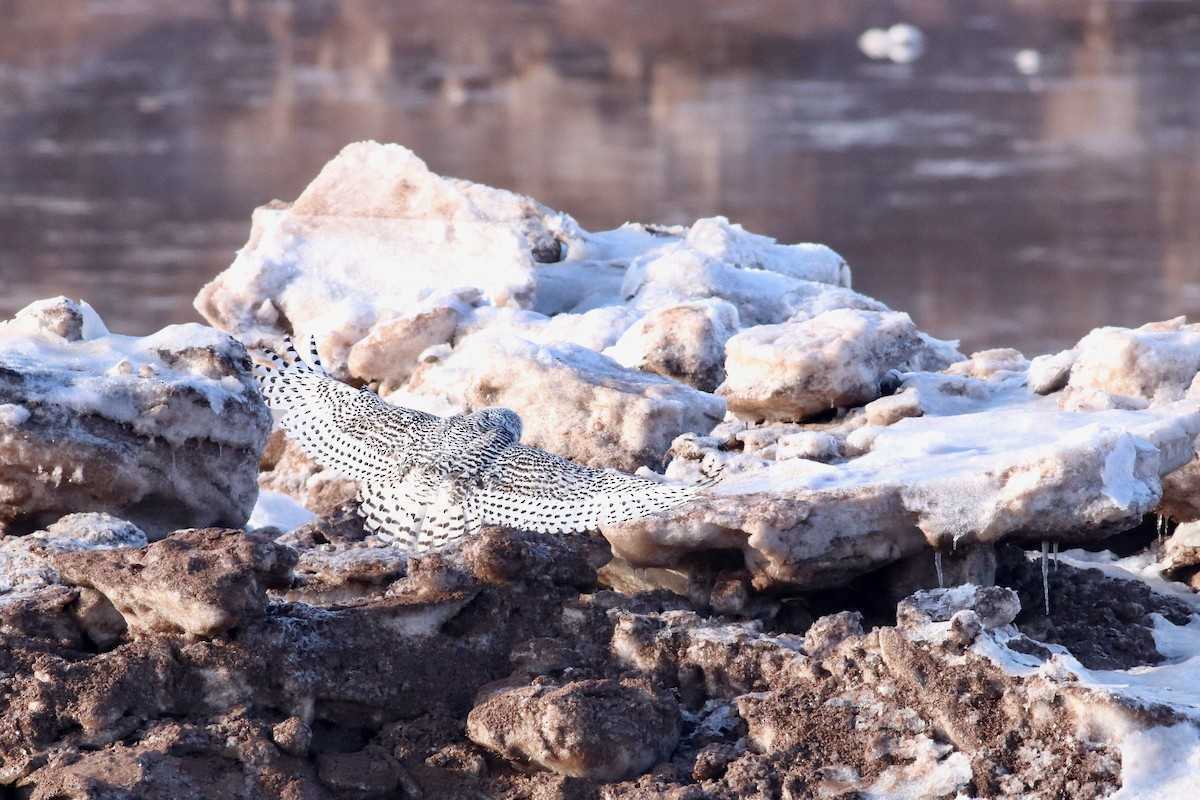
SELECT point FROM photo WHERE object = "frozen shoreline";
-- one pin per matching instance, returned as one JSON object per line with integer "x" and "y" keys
{"x": 854, "y": 447}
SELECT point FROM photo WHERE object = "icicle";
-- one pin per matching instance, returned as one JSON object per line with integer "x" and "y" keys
{"x": 1046, "y": 574}
{"x": 937, "y": 564}
{"x": 1056, "y": 556}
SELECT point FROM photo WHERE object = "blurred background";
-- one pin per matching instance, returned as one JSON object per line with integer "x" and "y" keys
{"x": 1010, "y": 172}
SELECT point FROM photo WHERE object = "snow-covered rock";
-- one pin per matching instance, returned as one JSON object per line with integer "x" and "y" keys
{"x": 25, "y": 560}
{"x": 164, "y": 430}
{"x": 685, "y": 342}
{"x": 987, "y": 461}
{"x": 793, "y": 370}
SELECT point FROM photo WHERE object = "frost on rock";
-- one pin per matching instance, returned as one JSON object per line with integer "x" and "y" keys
{"x": 163, "y": 430}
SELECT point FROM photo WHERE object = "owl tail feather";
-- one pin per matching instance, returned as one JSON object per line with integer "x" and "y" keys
{"x": 413, "y": 518}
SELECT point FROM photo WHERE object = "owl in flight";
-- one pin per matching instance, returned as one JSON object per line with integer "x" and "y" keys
{"x": 427, "y": 481}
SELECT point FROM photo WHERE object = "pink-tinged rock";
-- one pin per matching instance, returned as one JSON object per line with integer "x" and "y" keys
{"x": 199, "y": 582}
{"x": 604, "y": 730}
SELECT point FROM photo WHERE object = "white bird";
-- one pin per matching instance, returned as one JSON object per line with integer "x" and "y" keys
{"x": 425, "y": 482}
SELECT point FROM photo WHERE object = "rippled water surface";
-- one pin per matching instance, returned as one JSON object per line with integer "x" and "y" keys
{"x": 1033, "y": 174}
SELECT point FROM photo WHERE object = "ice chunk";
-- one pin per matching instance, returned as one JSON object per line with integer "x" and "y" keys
{"x": 796, "y": 369}
{"x": 684, "y": 342}
{"x": 1156, "y": 363}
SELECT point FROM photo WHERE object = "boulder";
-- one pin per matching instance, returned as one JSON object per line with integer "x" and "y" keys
{"x": 605, "y": 730}
{"x": 198, "y": 582}
{"x": 164, "y": 430}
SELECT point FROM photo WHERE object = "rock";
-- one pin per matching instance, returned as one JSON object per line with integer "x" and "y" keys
{"x": 292, "y": 736}
{"x": 994, "y": 606}
{"x": 98, "y": 619}
{"x": 163, "y": 430}
{"x": 387, "y": 695}
{"x": 371, "y": 772}
{"x": 603, "y": 730}
{"x": 200, "y": 582}
{"x": 598, "y": 413}
{"x": 25, "y": 560}
{"x": 1030, "y": 473}
{"x": 89, "y": 531}
{"x": 43, "y": 613}
{"x": 391, "y": 351}
{"x": 794, "y": 370}
{"x": 830, "y": 631}
{"x": 1181, "y": 493}
{"x": 229, "y": 757}
{"x": 685, "y": 343}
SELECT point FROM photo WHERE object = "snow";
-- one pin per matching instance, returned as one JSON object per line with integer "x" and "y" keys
{"x": 13, "y": 414}
{"x": 276, "y": 510}
{"x": 1160, "y": 763}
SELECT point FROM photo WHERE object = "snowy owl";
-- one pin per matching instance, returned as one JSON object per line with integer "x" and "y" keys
{"x": 427, "y": 481}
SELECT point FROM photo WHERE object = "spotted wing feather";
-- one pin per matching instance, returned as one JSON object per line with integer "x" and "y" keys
{"x": 538, "y": 491}
{"x": 415, "y": 518}
{"x": 351, "y": 430}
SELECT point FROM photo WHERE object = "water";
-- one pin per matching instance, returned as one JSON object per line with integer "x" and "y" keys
{"x": 1000, "y": 207}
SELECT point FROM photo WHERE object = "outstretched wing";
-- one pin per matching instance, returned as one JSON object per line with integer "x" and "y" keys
{"x": 538, "y": 491}
{"x": 351, "y": 430}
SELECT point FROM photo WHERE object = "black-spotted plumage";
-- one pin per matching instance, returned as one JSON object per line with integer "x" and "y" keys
{"x": 427, "y": 481}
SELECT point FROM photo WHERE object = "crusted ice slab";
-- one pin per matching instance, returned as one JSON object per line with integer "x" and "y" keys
{"x": 163, "y": 430}
{"x": 987, "y": 460}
